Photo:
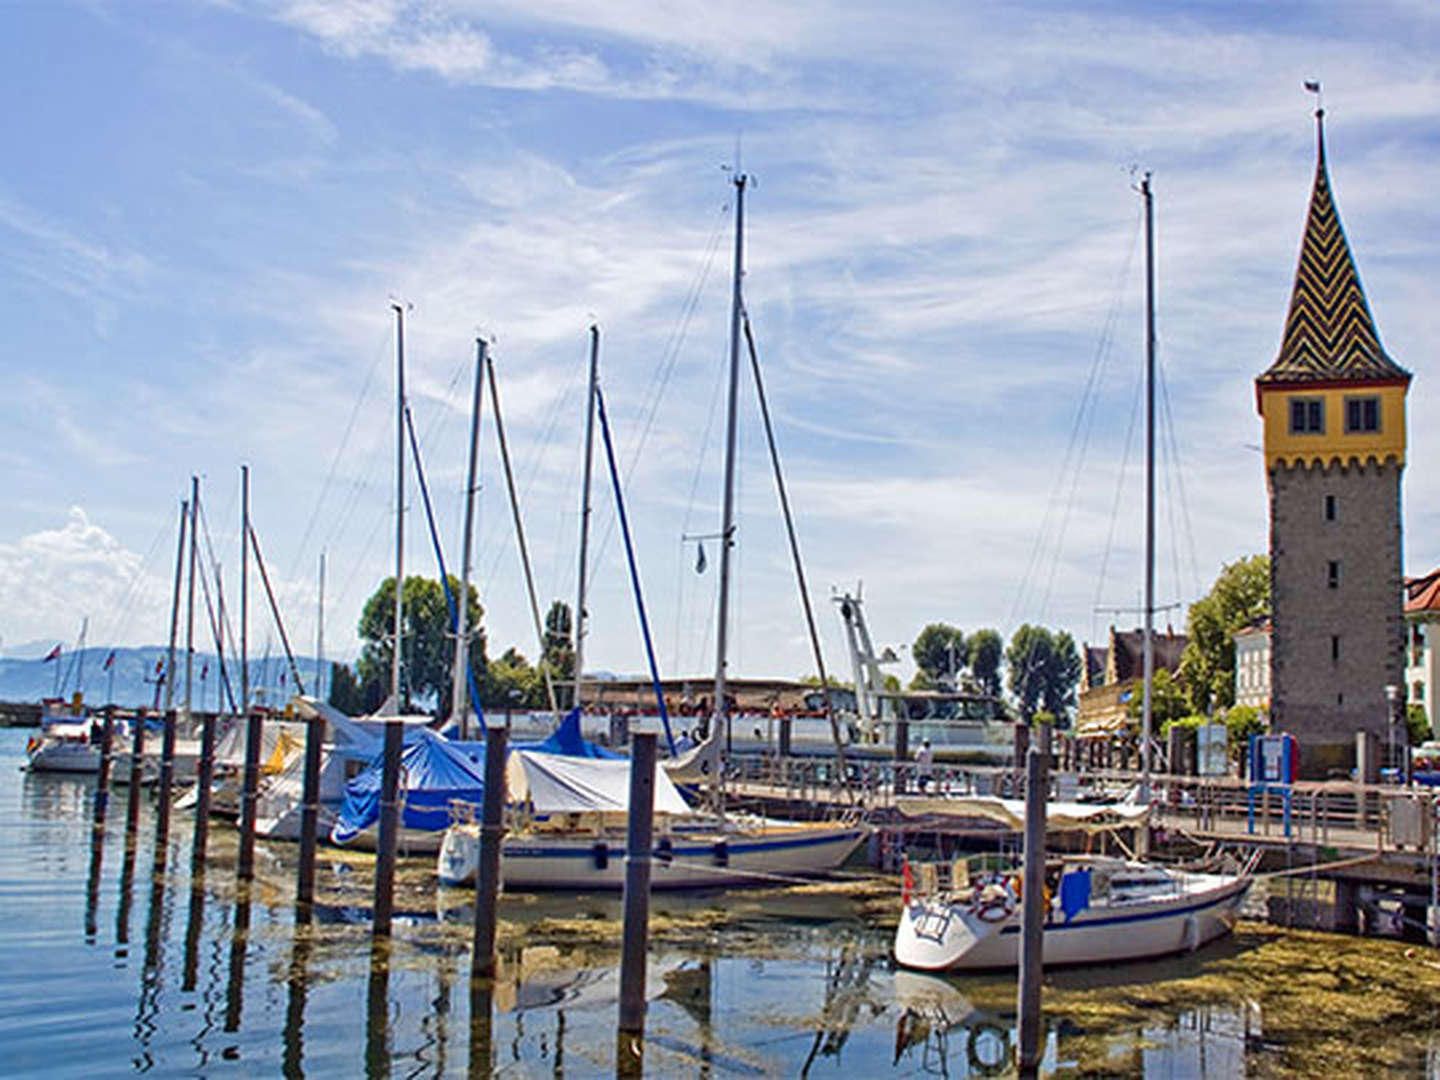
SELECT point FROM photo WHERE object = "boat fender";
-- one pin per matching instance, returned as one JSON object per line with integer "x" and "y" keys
{"x": 722, "y": 853}
{"x": 665, "y": 850}
{"x": 1190, "y": 935}
{"x": 31, "y": 745}
{"x": 601, "y": 855}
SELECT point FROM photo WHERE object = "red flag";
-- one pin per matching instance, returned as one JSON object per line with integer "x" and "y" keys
{"x": 53, "y": 654}
{"x": 109, "y": 660}
{"x": 159, "y": 666}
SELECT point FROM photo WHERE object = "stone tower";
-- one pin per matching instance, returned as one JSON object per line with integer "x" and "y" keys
{"x": 1333, "y": 409}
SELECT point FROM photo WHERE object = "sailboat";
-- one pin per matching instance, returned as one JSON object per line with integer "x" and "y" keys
{"x": 1098, "y": 909}
{"x": 569, "y": 817}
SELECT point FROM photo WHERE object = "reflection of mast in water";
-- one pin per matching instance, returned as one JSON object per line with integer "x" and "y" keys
{"x": 127, "y": 893}
{"x": 847, "y": 986}
{"x": 157, "y": 921}
{"x": 92, "y": 884}
{"x": 194, "y": 923}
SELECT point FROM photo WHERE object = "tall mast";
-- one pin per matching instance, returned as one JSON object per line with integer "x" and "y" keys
{"x": 578, "y": 622}
{"x": 727, "y": 522}
{"x": 320, "y": 634}
{"x": 459, "y": 709}
{"x": 1149, "y": 487}
{"x": 399, "y": 502}
{"x": 244, "y": 590}
{"x": 190, "y": 596}
{"x": 175, "y": 607}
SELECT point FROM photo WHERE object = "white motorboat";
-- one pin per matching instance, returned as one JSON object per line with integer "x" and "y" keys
{"x": 67, "y": 743}
{"x": 569, "y": 832}
{"x": 1099, "y": 909}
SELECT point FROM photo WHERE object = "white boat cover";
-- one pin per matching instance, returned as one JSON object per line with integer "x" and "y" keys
{"x": 556, "y": 784}
{"x": 1089, "y": 817}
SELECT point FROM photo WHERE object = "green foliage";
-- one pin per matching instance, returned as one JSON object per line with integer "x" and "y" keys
{"x": 939, "y": 654}
{"x": 1242, "y": 721}
{"x": 1417, "y": 722}
{"x": 986, "y": 650}
{"x": 559, "y": 654}
{"x": 1044, "y": 716}
{"x": 1044, "y": 670}
{"x": 1185, "y": 723}
{"x": 345, "y": 692}
{"x": 1167, "y": 700}
{"x": 511, "y": 683}
{"x": 428, "y": 646}
{"x": 1240, "y": 595}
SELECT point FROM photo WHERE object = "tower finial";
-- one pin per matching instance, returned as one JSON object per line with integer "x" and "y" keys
{"x": 1314, "y": 87}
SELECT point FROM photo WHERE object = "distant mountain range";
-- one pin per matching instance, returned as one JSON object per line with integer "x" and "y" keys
{"x": 131, "y": 679}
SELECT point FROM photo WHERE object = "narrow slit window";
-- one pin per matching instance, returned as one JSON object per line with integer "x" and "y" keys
{"x": 1334, "y": 646}
{"x": 1332, "y": 508}
{"x": 1332, "y": 575}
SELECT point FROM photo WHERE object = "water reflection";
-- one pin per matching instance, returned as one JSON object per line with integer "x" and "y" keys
{"x": 297, "y": 980}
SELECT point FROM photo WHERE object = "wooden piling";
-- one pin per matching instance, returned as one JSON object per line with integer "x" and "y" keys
{"x": 487, "y": 870}
{"x": 102, "y": 781}
{"x": 167, "y": 782}
{"x": 1032, "y": 913}
{"x": 204, "y": 778}
{"x": 254, "y": 733}
{"x": 309, "y": 819}
{"x": 630, "y": 1038}
{"x": 389, "y": 829}
{"x": 137, "y": 776}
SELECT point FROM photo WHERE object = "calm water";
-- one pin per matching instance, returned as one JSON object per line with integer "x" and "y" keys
{"x": 116, "y": 969}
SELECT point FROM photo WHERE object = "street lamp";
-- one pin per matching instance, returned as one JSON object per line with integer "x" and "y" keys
{"x": 1392, "y": 697}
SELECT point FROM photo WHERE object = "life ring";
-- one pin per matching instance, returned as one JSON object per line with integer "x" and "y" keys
{"x": 996, "y": 909}
{"x": 997, "y": 1036}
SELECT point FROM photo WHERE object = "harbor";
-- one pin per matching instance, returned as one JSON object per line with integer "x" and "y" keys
{"x": 148, "y": 972}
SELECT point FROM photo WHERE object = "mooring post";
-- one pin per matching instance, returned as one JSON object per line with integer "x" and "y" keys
{"x": 102, "y": 781}
{"x": 137, "y": 776}
{"x": 250, "y": 784}
{"x": 1032, "y": 912}
{"x": 487, "y": 867}
{"x": 167, "y": 782}
{"x": 389, "y": 829}
{"x": 309, "y": 819}
{"x": 204, "y": 779}
{"x": 629, "y": 1048}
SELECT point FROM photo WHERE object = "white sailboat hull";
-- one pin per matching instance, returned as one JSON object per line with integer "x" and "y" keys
{"x": 695, "y": 861}
{"x": 942, "y": 935}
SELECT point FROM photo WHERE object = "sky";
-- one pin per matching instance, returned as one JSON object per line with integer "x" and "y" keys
{"x": 209, "y": 208}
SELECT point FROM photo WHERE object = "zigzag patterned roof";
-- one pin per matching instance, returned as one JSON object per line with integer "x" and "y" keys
{"x": 1330, "y": 334}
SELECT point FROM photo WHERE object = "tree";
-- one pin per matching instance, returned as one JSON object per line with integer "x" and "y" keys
{"x": 1044, "y": 670}
{"x": 511, "y": 683}
{"x": 1242, "y": 721}
{"x": 428, "y": 650}
{"x": 559, "y": 654}
{"x": 939, "y": 653}
{"x": 1168, "y": 701}
{"x": 1417, "y": 722}
{"x": 1240, "y": 595}
{"x": 345, "y": 691}
{"x": 986, "y": 650}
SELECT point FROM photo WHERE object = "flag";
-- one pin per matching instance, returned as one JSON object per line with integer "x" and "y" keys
{"x": 907, "y": 881}
{"x": 699, "y": 558}
{"x": 1313, "y": 87}
{"x": 109, "y": 661}
{"x": 159, "y": 666}
{"x": 53, "y": 654}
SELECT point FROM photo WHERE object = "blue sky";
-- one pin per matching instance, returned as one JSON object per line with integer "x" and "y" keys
{"x": 207, "y": 208}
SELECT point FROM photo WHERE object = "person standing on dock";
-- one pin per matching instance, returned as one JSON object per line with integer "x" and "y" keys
{"x": 924, "y": 762}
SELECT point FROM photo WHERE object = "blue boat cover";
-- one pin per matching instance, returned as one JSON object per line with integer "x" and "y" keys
{"x": 434, "y": 770}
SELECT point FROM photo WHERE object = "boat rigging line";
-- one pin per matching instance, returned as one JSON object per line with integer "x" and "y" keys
{"x": 520, "y": 534}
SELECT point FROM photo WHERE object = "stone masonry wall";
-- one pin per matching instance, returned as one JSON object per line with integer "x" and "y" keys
{"x": 1335, "y": 648}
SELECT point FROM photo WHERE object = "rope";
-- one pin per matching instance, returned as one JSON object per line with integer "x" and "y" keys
{"x": 1316, "y": 867}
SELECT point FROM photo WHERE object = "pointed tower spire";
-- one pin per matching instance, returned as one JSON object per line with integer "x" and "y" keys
{"x": 1330, "y": 334}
